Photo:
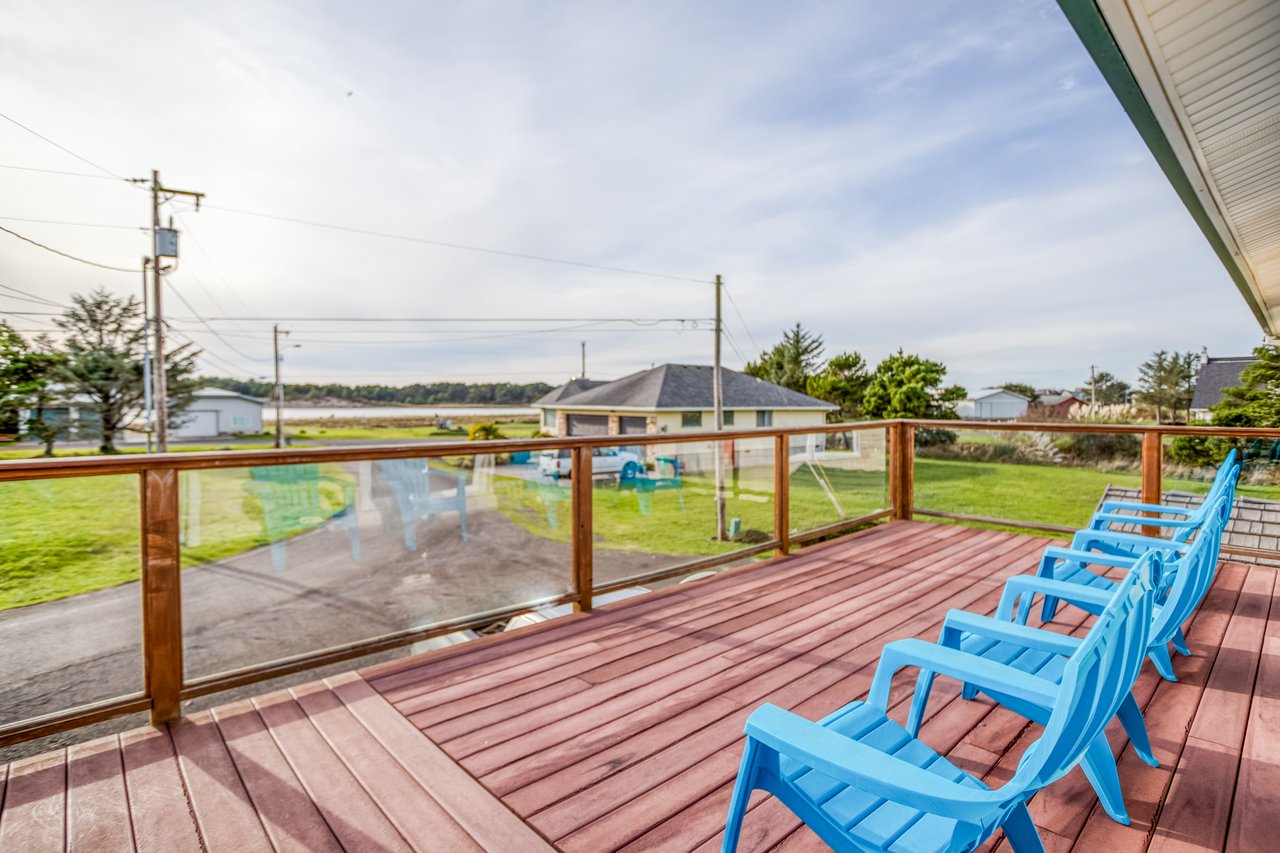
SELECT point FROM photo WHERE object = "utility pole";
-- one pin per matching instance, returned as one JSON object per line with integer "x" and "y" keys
{"x": 170, "y": 250}
{"x": 717, "y": 397}
{"x": 583, "y": 374}
{"x": 146, "y": 351}
{"x": 1093, "y": 387}
{"x": 275, "y": 341}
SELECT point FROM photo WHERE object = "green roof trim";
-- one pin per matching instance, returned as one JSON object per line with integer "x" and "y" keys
{"x": 1090, "y": 25}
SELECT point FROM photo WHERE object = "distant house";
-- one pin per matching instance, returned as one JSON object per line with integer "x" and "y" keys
{"x": 1057, "y": 405}
{"x": 76, "y": 415}
{"x": 993, "y": 404}
{"x": 1216, "y": 375}
{"x": 216, "y": 411}
{"x": 674, "y": 398}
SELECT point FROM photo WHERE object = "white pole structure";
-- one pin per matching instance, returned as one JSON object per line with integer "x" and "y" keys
{"x": 717, "y": 396}
{"x": 147, "y": 401}
{"x": 275, "y": 341}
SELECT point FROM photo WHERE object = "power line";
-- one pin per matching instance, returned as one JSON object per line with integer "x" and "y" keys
{"x": 64, "y": 254}
{"x": 34, "y": 296}
{"x": 200, "y": 246}
{"x": 59, "y": 172}
{"x": 213, "y": 358}
{"x": 216, "y": 333}
{"x": 742, "y": 320}
{"x": 447, "y": 245}
{"x": 638, "y": 321}
{"x": 62, "y": 148}
{"x": 81, "y": 224}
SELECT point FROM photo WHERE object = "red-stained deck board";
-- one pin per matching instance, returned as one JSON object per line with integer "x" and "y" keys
{"x": 224, "y": 814}
{"x": 35, "y": 800}
{"x": 97, "y": 803}
{"x": 157, "y": 803}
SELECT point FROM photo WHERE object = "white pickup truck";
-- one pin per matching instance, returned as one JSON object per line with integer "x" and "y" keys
{"x": 604, "y": 460}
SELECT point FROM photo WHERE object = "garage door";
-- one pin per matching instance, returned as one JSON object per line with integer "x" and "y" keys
{"x": 633, "y": 426}
{"x": 198, "y": 424}
{"x": 588, "y": 425}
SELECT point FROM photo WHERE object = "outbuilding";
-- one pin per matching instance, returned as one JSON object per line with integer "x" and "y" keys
{"x": 217, "y": 411}
{"x": 993, "y": 404}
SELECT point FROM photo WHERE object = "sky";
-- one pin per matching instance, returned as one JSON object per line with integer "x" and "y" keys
{"x": 950, "y": 178}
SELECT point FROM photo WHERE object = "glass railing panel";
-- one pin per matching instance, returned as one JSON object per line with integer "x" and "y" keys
{"x": 655, "y": 507}
{"x": 287, "y": 560}
{"x": 837, "y": 476}
{"x": 70, "y": 604}
{"x": 1051, "y": 478}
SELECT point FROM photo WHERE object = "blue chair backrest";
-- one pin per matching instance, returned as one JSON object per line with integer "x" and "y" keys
{"x": 1188, "y": 577}
{"x": 1224, "y": 483}
{"x": 1096, "y": 679}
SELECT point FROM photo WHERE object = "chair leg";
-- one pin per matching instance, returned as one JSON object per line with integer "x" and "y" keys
{"x": 741, "y": 794}
{"x": 410, "y": 534}
{"x": 968, "y": 692}
{"x": 1050, "y": 609}
{"x": 1159, "y": 656}
{"x": 1131, "y": 718}
{"x": 1180, "y": 643}
{"x": 1099, "y": 765}
{"x": 277, "y": 555}
{"x": 462, "y": 519}
{"x": 924, "y": 684}
{"x": 1021, "y": 831}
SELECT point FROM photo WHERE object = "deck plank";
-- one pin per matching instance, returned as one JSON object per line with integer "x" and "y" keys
{"x": 158, "y": 806}
{"x": 224, "y": 812}
{"x": 97, "y": 802}
{"x": 35, "y": 799}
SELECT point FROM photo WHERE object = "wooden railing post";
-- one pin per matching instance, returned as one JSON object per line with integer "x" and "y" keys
{"x": 161, "y": 594}
{"x": 902, "y": 437}
{"x": 1152, "y": 462}
{"x": 583, "y": 575}
{"x": 782, "y": 492}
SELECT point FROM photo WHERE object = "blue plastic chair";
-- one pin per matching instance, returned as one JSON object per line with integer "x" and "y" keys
{"x": 293, "y": 500}
{"x": 420, "y": 492}
{"x": 862, "y": 782}
{"x": 1182, "y": 585}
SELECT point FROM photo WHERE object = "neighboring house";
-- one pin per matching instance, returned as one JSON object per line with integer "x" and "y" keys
{"x": 216, "y": 411}
{"x": 76, "y": 414}
{"x": 993, "y": 404}
{"x": 1216, "y": 375}
{"x": 675, "y": 398}
{"x": 1057, "y": 405}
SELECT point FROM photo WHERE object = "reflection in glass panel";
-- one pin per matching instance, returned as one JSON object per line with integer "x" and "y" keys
{"x": 655, "y": 506}
{"x": 1042, "y": 477}
{"x": 837, "y": 476}
{"x": 292, "y": 559}
{"x": 70, "y": 607}
{"x": 1191, "y": 463}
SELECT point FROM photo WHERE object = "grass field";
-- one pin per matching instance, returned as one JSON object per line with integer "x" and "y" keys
{"x": 63, "y": 537}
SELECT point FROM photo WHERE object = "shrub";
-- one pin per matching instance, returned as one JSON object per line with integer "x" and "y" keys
{"x": 484, "y": 432}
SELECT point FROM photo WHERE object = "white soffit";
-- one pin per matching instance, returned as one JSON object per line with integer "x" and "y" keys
{"x": 1210, "y": 71}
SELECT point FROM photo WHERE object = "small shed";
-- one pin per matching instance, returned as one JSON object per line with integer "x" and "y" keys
{"x": 217, "y": 411}
{"x": 993, "y": 404}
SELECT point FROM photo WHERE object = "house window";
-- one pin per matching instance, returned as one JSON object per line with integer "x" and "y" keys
{"x": 728, "y": 418}
{"x": 549, "y": 418}
{"x": 764, "y": 419}
{"x": 691, "y": 420}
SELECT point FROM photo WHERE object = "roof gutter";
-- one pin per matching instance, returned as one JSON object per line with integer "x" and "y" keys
{"x": 1087, "y": 19}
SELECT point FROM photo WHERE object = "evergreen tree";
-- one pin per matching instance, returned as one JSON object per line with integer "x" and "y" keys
{"x": 1106, "y": 390}
{"x": 843, "y": 381}
{"x": 908, "y": 386}
{"x": 1167, "y": 381}
{"x": 104, "y": 352}
{"x": 25, "y": 375}
{"x": 791, "y": 362}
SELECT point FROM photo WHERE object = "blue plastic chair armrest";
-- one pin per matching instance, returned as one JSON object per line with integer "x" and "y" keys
{"x": 1086, "y": 539}
{"x": 1054, "y": 555}
{"x": 959, "y": 665}
{"x": 1089, "y": 598}
{"x": 1145, "y": 520}
{"x": 1112, "y": 506}
{"x": 868, "y": 769}
{"x": 996, "y": 628}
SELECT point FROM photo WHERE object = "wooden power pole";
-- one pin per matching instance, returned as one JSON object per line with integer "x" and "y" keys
{"x": 717, "y": 398}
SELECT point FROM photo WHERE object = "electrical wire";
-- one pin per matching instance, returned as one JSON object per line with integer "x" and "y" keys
{"x": 216, "y": 333}
{"x": 65, "y": 255}
{"x": 212, "y": 358}
{"x": 81, "y": 224}
{"x": 59, "y": 172}
{"x": 186, "y": 229}
{"x": 34, "y": 296}
{"x": 636, "y": 321}
{"x": 741, "y": 319}
{"x": 62, "y": 148}
{"x": 447, "y": 245}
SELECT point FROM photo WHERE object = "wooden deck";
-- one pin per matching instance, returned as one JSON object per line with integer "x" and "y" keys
{"x": 622, "y": 729}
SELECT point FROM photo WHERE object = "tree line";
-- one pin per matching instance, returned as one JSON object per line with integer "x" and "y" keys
{"x": 418, "y": 394}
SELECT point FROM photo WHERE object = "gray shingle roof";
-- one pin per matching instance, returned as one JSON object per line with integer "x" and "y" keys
{"x": 1216, "y": 375}
{"x": 688, "y": 386}
{"x": 568, "y": 389}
